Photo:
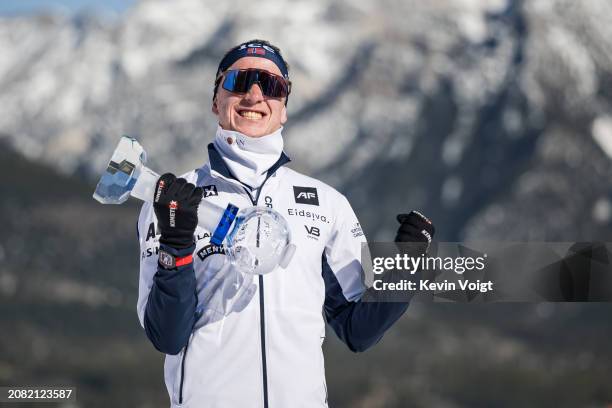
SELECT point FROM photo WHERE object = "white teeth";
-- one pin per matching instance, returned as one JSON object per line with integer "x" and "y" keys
{"x": 251, "y": 115}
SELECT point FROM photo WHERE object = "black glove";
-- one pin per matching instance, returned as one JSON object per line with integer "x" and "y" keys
{"x": 176, "y": 207}
{"x": 415, "y": 227}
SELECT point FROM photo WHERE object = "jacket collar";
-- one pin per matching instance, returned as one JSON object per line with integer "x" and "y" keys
{"x": 218, "y": 166}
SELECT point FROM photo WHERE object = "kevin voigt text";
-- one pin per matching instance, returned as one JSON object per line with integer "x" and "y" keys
{"x": 432, "y": 286}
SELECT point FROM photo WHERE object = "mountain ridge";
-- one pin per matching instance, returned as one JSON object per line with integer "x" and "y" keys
{"x": 447, "y": 101}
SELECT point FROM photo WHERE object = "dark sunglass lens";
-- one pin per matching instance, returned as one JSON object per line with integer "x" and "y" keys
{"x": 236, "y": 81}
{"x": 229, "y": 81}
{"x": 240, "y": 81}
{"x": 267, "y": 84}
{"x": 272, "y": 85}
{"x": 280, "y": 89}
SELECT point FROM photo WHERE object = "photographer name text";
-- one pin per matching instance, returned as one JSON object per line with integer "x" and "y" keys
{"x": 411, "y": 265}
{"x": 426, "y": 285}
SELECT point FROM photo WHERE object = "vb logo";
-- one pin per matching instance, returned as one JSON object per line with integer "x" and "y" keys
{"x": 314, "y": 231}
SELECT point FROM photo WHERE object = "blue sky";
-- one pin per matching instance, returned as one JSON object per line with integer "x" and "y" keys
{"x": 12, "y": 7}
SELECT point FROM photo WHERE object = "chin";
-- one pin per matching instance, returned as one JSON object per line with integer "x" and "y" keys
{"x": 252, "y": 130}
{"x": 253, "y": 133}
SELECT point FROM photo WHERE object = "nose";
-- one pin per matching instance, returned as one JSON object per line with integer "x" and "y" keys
{"x": 255, "y": 94}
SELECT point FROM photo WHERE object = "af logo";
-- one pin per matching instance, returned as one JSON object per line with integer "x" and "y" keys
{"x": 210, "y": 191}
{"x": 306, "y": 195}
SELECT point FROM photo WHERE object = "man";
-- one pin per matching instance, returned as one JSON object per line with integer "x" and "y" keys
{"x": 263, "y": 347}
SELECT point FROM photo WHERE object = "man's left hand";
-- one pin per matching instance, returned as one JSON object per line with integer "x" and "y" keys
{"x": 414, "y": 227}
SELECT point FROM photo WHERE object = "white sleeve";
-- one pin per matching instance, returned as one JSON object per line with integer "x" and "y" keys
{"x": 149, "y": 245}
{"x": 343, "y": 251}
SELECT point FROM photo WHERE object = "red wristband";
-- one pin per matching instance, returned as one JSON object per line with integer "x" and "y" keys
{"x": 184, "y": 260}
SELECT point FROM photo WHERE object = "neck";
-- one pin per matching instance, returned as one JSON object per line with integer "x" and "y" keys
{"x": 249, "y": 158}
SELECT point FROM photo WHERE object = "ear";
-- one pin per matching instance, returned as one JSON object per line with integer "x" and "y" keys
{"x": 283, "y": 117}
{"x": 215, "y": 108}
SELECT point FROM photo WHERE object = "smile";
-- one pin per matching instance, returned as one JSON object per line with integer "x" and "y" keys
{"x": 253, "y": 115}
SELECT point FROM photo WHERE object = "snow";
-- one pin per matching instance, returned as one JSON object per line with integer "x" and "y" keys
{"x": 602, "y": 133}
{"x": 602, "y": 211}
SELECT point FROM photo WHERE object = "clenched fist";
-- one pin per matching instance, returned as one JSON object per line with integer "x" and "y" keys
{"x": 415, "y": 227}
{"x": 176, "y": 206}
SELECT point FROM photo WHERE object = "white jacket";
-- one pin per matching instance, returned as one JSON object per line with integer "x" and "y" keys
{"x": 264, "y": 349}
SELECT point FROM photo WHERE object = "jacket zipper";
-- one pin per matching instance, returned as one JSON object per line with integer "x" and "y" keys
{"x": 262, "y": 319}
{"x": 283, "y": 159}
{"x": 262, "y": 322}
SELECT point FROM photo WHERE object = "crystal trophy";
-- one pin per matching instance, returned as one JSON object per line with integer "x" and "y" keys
{"x": 257, "y": 239}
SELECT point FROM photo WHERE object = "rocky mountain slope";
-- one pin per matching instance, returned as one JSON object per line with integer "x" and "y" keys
{"x": 492, "y": 116}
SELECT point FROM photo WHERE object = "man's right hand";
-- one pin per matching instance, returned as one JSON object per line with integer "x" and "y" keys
{"x": 176, "y": 206}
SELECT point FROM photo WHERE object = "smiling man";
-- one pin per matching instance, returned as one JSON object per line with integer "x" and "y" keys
{"x": 251, "y": 113}
{"x": 261, "y": 346}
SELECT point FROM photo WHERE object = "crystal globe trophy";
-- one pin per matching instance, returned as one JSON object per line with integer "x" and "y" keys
{"x": 257, "y": 239}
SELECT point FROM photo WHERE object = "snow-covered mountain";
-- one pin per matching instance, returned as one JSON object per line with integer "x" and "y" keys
{"x": 491, "y": 116}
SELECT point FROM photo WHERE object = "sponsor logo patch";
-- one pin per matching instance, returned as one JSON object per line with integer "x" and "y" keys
{"x": 296, "y": 212}
{"x": 313, "y": 232}
{"x": 268, "y": 201}
{"x": 305, "y": 195}
{"x": 166, "y": 260}
{"x": 210, "y": 249}
{"x": 199, "y": 237}
{"x": 150, "y": 251}
{"x": 210, "y": 191}
{"x": 160, "y": 187}
{"x": 356, "y": 230}
{"x": 173, "y": 207}
{"x": 151, "y": 232}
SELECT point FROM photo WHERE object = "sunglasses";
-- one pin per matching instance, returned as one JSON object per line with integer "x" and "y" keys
{"x": 241, "y": 80}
